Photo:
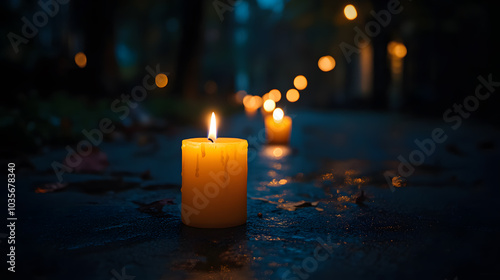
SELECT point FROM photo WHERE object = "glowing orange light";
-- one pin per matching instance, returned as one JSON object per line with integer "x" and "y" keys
{"x": 397, "y": 49}
{"x": 326, "y": 63}
{"x": 300, "y": 82}
{"x": 252, "y": 103}
{"x": 277, "y": 152}
{"x": 350, "y": 12}
{"x": 161, "y": 80}
{"x": 400, "y": 51}
{"x": 212, "y": 132}
{"x": 81, "y": 59}
{"x": 282, "y": 181}
{"x": 275, "y": 95}
{"x": 256, "y": 101}
{"x": 246, "y": 100}
{"x": 292, "y": 95}
{"x": 269, "y": 105}
{"x": 278, "y": 114}
{"x": 391, "y": 46}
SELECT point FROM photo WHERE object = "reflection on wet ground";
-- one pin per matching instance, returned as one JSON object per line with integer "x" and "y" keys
{"x": 322, "y": 208}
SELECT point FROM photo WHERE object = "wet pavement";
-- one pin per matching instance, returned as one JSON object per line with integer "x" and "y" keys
{"x": 319, "y": 209}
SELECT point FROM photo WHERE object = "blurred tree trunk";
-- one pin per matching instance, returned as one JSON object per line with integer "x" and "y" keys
{"x": 189, "y": 60}
{"x": 381, "y": 73}
{"x": 97, "y": 21}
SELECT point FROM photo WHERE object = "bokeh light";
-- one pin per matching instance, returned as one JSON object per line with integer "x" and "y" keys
{"x": 275, "y": 95}
{"x": 278, "y": 114}
{"x": 269, "y": 105}
{"x": 350, "y": 12}
{"x": 292, "y": 95}
{"x": 397, "y": 49}
{"x": 300, "y": 82}
{"x": 246, "y": 100}
{"x": 400, "y": 51}
{"x": 81, "y": 59}
{"x": 277, "y": 152}
{"x": 252, "y": 103}
{"x": 258, "y": 101}
{"x": 326, "y": 63}
{"x": 161, "y": 80}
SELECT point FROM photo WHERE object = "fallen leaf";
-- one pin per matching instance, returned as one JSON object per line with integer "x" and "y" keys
{"x": 155, "y": 207}
{"x": 51, "y": 187}
{"x": 290, "y": 206}
{"x": 399, "y": 181}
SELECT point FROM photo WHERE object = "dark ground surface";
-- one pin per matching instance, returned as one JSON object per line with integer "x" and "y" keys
{"x": 443, "y": 225}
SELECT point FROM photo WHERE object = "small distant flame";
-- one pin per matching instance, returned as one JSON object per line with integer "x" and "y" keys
{"x": 278, "y": 114}
{"x": 212, "y": 132}
{"x": 350, "y": 12}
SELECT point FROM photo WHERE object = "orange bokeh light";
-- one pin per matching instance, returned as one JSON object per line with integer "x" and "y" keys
{"x": 350, "y": 12}
{"x": 326, "y": 63}
{"x": 81, "y": 59}
{"x": 397, "y": 49}
{"x": 300, "y": 82}
{"x": 275, "y": 95}
{"x": 292, "y": 95}
{"x": 161, "y": 80}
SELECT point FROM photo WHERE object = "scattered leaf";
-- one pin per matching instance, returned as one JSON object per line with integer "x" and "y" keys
{"x": 51, "y": 187}
{"x": 155, "y": 207}
{"x": 399, "y": 181}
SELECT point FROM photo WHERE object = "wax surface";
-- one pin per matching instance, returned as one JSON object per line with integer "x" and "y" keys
{"x": 278, "y": 132}
{"x": 214, "y": 182}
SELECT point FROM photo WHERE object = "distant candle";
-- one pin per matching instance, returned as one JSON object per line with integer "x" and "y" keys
{"x": 278, "y": 127}
{"x": 214, "y": 181}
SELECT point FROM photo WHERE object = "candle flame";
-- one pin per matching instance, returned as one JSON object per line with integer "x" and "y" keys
{"x": 278, "y": 114}
{"x": 350, "y": 12}
{"x": 212, "y": 132}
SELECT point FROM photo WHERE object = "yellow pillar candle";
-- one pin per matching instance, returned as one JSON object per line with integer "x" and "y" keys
{"x": 278, "y": 128}
{"x": 214, "y": 181}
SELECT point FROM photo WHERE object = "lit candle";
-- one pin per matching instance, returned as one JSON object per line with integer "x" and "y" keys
{"x": 278, "y": 127}
{"x": 214, "y": 181}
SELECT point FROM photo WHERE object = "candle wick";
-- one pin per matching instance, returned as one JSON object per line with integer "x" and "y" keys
{"x": 211, "y": 140}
